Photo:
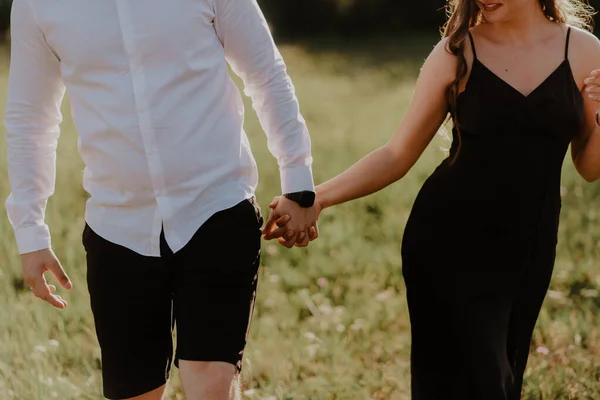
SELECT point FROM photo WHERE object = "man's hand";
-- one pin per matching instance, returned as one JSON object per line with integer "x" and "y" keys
{"x": 34, "y": 266}
{"x": 295, "y": 225}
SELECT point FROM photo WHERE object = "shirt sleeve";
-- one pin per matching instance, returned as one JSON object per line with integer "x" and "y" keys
{"x": 252, "y": 55}
{"x": 32, "y": 118}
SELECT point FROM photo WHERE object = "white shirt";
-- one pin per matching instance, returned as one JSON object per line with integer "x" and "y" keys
{"x": 160, "y": 122}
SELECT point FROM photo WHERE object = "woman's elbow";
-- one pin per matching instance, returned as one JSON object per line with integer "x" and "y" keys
{"x": 398, "y": 161}
{"x": 590, "y": 178}
{"x": 590, "y": 175}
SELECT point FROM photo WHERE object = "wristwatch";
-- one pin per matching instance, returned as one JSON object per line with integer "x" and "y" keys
{"x": 305, "y": 199}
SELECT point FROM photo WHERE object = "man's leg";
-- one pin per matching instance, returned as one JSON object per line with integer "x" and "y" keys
{"x": 153, "y": 395}
{"x": 131, "y": 301}
{"x": 210, "y": 380}
{"x": 216, "y": 275}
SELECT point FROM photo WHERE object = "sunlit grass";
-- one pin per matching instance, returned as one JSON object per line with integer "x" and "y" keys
{"x": 331, "y": 321}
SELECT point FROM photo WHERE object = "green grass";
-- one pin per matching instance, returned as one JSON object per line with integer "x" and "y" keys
{"x": 332, "y": 320}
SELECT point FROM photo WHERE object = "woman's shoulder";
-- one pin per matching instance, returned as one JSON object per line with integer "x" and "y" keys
{"x": 440, "y": 64}
{"x": 445, "y": 50}
{"x": 582, "y": 40}
{"x": 583, "y": 52}
{"x": 442, "y": 53}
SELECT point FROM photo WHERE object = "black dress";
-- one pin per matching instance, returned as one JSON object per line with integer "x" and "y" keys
{"x": 479, "y": 247}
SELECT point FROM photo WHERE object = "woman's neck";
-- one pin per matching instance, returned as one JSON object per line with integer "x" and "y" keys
{"x": 525, "y": 27}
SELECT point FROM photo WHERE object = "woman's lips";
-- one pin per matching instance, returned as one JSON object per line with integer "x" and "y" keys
{"x": 490, "y": 7}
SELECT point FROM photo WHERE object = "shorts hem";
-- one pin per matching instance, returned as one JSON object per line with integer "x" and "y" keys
{"x": 235, "y": 361}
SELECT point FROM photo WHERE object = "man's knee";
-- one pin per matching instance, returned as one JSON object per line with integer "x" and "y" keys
{"x": 209, "y": 380}
{"x": 153, "y": 395}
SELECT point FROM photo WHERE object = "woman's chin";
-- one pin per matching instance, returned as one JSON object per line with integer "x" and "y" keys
{"x": 495, "y": 16}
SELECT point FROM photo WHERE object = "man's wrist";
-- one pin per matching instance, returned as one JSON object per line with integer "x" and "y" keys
{"x": 305, "y": 198}
{"x": 296, "y": 179}
{"x": 32, "y": 239}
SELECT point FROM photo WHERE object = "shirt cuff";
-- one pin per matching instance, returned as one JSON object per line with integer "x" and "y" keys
{"x": 32, "y": 238}
{"x": 296, "y": 179}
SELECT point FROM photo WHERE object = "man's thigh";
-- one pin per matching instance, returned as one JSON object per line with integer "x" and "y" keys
{"x": 215, "y": 286}
{"x": 131, "y": 301}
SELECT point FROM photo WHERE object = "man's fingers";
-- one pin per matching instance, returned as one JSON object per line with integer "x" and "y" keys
{"x": 276, "y": 233}
{"x": 43, "y": 291}
{"x": 30, "y": 280}
{"x": 289, "y": 239}
{"x": 63, "y": 301}
{"x": 274, "y": 202}
{"x": 52, "y": 288}
{"x": 270, "y": 222}
{"x": 283, "y": 221}
{"x": 60, "y": 275}
{"x": 303, "y": 240}
{"x": 286, "y": 243}
{"x": 55, "y": 300}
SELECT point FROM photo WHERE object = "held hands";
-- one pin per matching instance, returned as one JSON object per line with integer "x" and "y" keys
{"x": 291, "y": 224}
{"x": 34, "y": 266}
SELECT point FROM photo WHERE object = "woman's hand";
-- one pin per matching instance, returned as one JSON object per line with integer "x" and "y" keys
{"x": 592, "y": 86}
{"x": 585, "y": 147}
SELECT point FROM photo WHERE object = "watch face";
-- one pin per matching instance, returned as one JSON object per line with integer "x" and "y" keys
{"x": 307, "y": 199}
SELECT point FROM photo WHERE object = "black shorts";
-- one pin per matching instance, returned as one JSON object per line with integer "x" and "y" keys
{"x": 207, "y": 290}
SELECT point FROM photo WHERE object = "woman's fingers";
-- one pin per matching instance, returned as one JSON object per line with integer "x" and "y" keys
{"x": 313, "y": 232}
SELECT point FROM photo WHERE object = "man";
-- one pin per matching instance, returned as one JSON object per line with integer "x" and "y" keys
{"x": 173, "y": 230}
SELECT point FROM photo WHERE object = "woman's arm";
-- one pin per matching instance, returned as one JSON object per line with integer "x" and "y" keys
{"x": 382, "y": 167}
{"x": 585, "y": 148}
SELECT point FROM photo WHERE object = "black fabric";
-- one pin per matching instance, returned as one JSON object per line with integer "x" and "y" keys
{"x": 207, "y": 290}
{"x": 567, "y": 43}
{"x": 473, "y": 46}
{"x": 479, "y": 246}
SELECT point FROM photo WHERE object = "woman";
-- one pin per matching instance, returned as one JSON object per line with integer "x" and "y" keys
{"x": 479, "y": 246}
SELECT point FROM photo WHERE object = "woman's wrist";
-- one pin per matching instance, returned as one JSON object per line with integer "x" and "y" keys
{"x": 321, "y": 198}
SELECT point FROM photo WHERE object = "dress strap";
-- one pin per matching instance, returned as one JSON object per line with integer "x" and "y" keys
{"x": 473, "y": 46}
{"x": 567, "y": 43}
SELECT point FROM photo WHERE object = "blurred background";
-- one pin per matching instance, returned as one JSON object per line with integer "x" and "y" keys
{"x": 301, "y": 19}
{"x": 331, "y": 321}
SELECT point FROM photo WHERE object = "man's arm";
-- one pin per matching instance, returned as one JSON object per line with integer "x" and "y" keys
{"x": 32, "y": 118}
{"x": 252, "y": 54}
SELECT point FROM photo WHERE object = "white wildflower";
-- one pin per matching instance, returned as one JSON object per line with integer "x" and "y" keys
{"x": 383, "y": 296}
{"x": 40, "y": 348}
{"x": 543, "y": 350}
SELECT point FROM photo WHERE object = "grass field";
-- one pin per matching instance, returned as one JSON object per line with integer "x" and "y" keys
{"x": 331, "y": 321}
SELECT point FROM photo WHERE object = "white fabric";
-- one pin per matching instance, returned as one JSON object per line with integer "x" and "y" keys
{"x": 160, "y": 122}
